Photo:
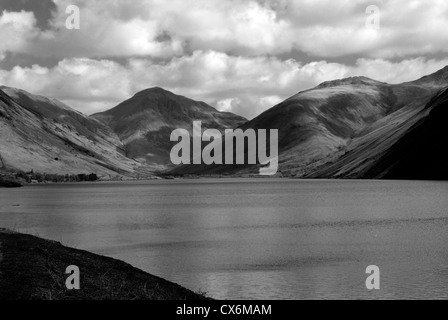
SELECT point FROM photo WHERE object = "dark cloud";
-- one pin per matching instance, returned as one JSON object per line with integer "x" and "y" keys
{"x": 26, "y": 60}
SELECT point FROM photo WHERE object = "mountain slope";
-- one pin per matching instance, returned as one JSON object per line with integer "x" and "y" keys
{"x": 421, "y": 154}
{"x": 418, "y": 154}
{"x": 145, "y": 122}
{"x": 340, "y": 128}
{"x": 45, "y": 135}
{"x": 435, "y": 80}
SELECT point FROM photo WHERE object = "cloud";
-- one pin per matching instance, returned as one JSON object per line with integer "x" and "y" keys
{"x": 237, "y": 27}
{"x": 166, "y": 29}
{"x": 16, "y": 30}
{"x": 228, "y": 105}
{"x": 243, "y": 85}
{"x": 328, "y": 28}
{"x": 78, "y": 82}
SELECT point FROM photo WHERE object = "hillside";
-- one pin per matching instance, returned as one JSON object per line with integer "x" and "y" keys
{"x": 340, "y": 128}
{"x": 419, "y": 154}
{"x": 45, "y": 135}
{"x": 144, "y": 123}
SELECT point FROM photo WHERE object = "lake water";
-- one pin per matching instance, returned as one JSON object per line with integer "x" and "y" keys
{"x": 254, "y": 239}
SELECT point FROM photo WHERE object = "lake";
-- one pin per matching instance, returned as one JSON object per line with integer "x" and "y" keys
{"x": 254, "y": 238}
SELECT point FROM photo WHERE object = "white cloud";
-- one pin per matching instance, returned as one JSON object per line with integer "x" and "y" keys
{"x": 247, "y": 86}
{"x": 270, "y": 101}
{"x": 77, "y": 82}
{"x": 227, "y": 105}
{"x": 16, "y": 29}
{"x": 166, "y": 29}
{"x": 328, "y": 28}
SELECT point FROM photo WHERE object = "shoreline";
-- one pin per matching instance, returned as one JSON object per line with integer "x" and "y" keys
{"x": 32, "y": 268}
{"x": 100, "y": 182}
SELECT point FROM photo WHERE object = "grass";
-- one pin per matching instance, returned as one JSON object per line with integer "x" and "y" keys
{"x": 34, "y": 269}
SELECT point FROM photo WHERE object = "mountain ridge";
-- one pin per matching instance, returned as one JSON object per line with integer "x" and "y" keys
{"x": 344, "y": 128}
{"x": 355, "y": 115}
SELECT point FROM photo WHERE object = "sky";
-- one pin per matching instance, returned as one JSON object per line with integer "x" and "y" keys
{"x": 241, "y": 56}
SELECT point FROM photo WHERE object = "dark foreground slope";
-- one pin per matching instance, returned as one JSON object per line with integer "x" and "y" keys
{"x": 33, "y": 268}
{"x": 145, "y": 122}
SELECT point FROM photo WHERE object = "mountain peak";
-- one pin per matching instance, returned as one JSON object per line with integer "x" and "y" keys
{"x": 145, "y": 122}
{"x": 154, "y": 91}
{"x": 358, "y": 80}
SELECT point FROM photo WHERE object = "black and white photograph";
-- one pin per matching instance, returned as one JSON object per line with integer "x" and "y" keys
{"x": 204, "y": 151}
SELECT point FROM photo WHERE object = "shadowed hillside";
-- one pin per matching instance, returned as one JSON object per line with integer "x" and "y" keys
{"x": 420, "y": 154}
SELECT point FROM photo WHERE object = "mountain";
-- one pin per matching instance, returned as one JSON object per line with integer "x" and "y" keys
{"x": 47, "y": 136}
{"x": 348, "y": 128}
{"x": 341, "y": 128}
{"x": 145, "y": 122}
{"x": 418, "y": 154}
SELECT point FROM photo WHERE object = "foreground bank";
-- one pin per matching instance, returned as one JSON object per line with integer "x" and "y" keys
{"x": 34, "y": 268}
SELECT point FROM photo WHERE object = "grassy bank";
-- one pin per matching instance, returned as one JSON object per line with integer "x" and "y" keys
{"x": 34, "y": 268}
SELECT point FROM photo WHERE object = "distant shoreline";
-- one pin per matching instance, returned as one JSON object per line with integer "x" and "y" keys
{"x": 32, "y": 268}
{"x": 203, "y": 178}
